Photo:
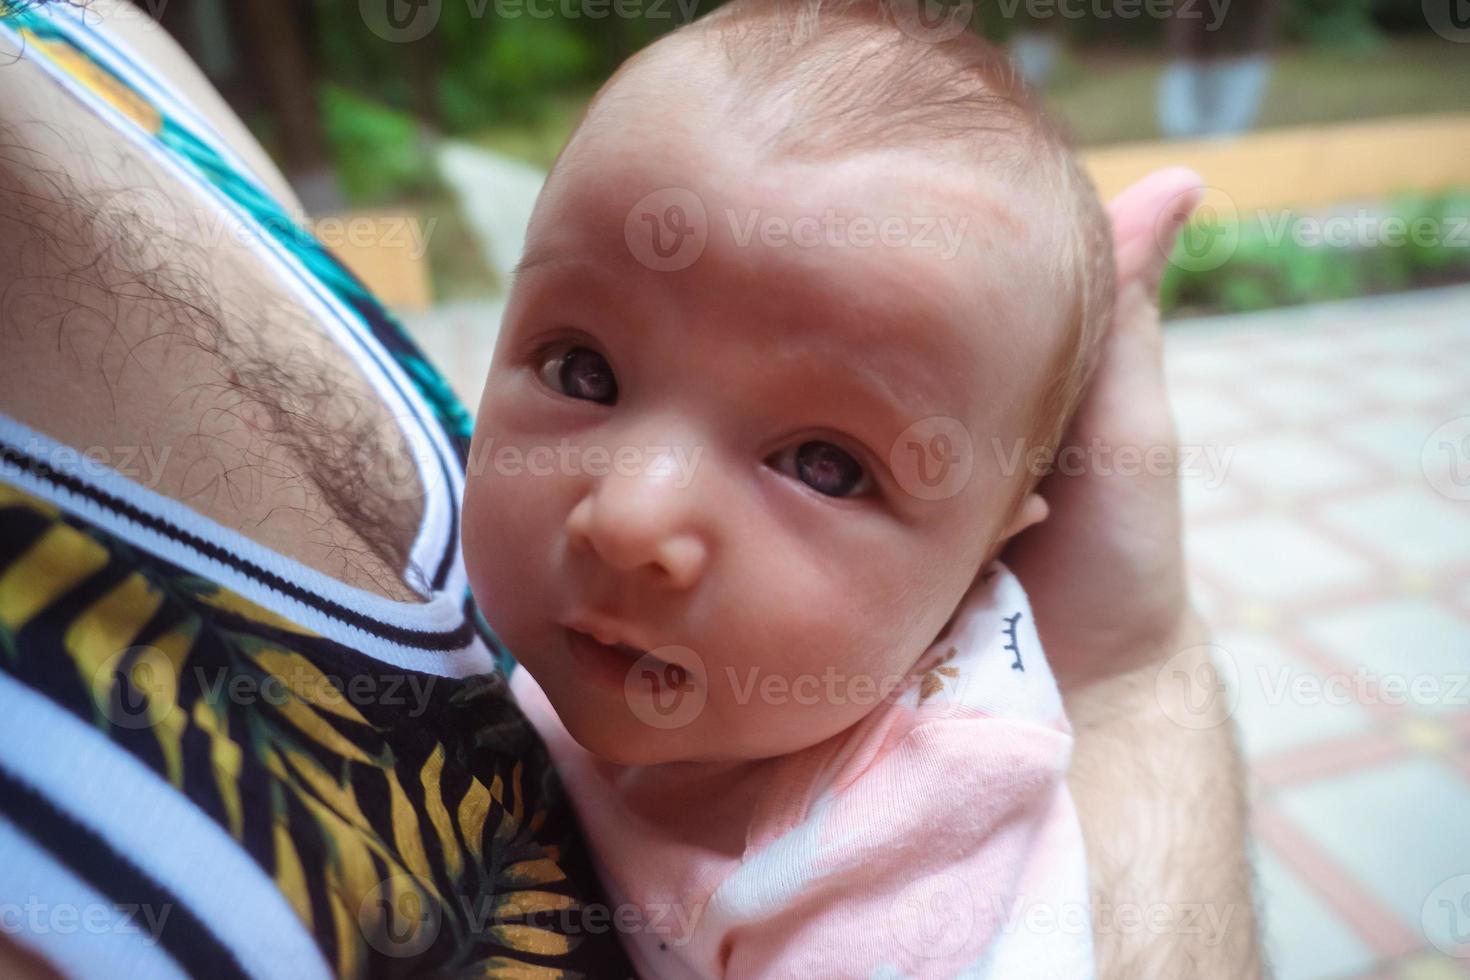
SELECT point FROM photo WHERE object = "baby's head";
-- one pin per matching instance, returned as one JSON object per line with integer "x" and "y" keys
{"x": 797, "y": 296}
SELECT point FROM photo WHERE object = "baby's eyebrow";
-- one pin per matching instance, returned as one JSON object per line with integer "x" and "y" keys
{"x": 900, "y": 395}
{"x": 883, "y": 387}
{"x": 534, "y": 258}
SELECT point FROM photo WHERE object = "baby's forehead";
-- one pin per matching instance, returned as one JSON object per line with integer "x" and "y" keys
{"x": 942, "y": 218}
{"x": 978, "y": 162}
{"x": 682, "y": 94}
{"x": 934, "y": 216}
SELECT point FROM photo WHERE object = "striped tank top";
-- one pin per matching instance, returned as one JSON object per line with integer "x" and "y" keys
{"x": 216, "y": 761}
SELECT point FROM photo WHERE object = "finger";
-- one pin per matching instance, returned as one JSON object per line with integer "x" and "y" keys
{"x": 1148, "y": 217}
{"x": 1135, "y": 211}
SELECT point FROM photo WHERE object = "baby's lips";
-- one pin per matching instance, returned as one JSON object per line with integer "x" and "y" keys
{"x": 667, "y": 687}
{"x": 608, "y": 633}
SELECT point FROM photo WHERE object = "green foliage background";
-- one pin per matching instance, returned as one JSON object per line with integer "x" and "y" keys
{"x": 1269, "y": 268}
{"x": 493, "y": 63}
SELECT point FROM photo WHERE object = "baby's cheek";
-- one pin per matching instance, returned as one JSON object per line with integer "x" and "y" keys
{"x": 831, "y": 668}
{"x": 883, "y": 642}
{"x": 501, "y": 556}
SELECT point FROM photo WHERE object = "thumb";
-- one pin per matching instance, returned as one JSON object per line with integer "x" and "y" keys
{"x": 1147, "y": 219}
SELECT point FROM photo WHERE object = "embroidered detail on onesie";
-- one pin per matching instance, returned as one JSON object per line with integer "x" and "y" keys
{"x": 933, "y": 680}
{"x": 1011, "y": 622}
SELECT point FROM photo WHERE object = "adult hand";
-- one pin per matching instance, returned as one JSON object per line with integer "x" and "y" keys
{"x": 1105, "y": 571}
{"x": 1162, "y": 804}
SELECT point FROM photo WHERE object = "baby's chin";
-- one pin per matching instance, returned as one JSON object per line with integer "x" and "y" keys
{"x": 619, "y": 737}
{"x": 630, "y": 724}
{"x": 615, "y": 734}
{"x": 618, "y": 748}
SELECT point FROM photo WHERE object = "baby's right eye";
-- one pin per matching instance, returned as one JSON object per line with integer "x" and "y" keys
{"x": 581, "y": 373}
{"x": 828, "y": 469}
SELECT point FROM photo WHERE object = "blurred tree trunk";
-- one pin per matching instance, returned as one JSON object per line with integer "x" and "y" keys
{"x": 424, "y": 70}
{"x": 275, "y": 35}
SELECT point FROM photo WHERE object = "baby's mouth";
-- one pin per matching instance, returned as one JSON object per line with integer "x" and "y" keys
{"x": 622, "y": 649}
{"x": 612, "y": 665}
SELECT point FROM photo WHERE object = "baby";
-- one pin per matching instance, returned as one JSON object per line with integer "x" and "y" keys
{"x": 800, "y": 296}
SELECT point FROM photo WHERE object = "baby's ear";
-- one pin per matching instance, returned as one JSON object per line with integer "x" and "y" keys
{"x": 1033, "y": 510}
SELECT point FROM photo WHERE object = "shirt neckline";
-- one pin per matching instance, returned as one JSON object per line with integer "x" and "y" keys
{"x": 435, "y": 636}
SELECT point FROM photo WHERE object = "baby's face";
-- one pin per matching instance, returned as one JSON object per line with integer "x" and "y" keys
{"x": 776, "y": 469}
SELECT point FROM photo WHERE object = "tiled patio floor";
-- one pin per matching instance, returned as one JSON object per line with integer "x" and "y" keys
{"x": 1331, "y": 553}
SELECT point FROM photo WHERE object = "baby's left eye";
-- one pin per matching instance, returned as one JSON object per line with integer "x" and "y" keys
{"x": 826, "y": 468}
{"x": 580, "y": 373}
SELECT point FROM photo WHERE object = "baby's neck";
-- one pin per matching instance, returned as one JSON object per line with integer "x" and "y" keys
{"x": 712, "y": 803}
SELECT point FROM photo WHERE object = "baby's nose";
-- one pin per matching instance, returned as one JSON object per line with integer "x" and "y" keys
{"x": 645, "y": 519}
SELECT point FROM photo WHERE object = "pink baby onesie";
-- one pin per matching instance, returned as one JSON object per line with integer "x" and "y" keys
{"x": 935, "y": 838}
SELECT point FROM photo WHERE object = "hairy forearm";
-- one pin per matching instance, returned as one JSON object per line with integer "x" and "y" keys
{"x": 1159, "y": 784}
